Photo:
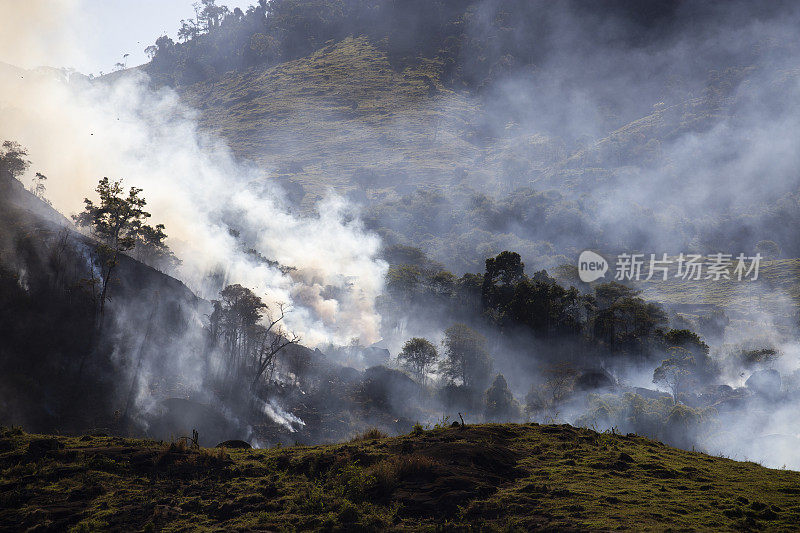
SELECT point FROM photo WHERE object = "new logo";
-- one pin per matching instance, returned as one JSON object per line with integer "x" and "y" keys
{"x": 591, "y": 266}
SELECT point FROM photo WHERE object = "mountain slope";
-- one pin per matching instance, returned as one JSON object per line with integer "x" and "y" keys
{"x": 345, "y": 112}
{"x": 518, "y": 477}
{"x": 320, "y": 118}
{"x": 56, "y": 372}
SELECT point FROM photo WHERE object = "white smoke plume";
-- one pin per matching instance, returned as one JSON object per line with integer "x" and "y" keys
{"x": 78, "y": 130}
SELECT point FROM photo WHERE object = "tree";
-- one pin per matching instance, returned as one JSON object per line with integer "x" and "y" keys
{"x": 466, "y": 358}
{"x": 559, "y": 382}
{"x": 250, "y": 336}
{"x": 39, "y": 187}
{"x": 164, "y": 44}
{"x": 502, "y": 274}
{"x": 12, "y": 158}
{"x": 152, "y": 249}
{"x": 608, "y": 293}
{"x": 675, "y": 372}
{"x": 210, "y": 14}
{"x": 628, "y": 324}
{"x": 404, "y": 281}
{"x": 188, "y": 30}
{"x": 118, "y": 222}
{"x": 500, "y": 404}
{"x": 506, "y": 269}
{"x": 418, "y": 355}
{"x": 544, "y": 306}
{"x": 684, "y": 338}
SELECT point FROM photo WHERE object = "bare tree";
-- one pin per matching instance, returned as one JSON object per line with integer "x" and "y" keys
{"x": 248, "y": 334}
{"x": 273, "y": 340}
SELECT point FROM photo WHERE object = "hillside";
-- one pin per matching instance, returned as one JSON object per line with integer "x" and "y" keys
{"x": 344, "y": 108}
{"x": 56, "y": 374}
{"x": 434, "y": 173}
{"x": 518, "y": 477}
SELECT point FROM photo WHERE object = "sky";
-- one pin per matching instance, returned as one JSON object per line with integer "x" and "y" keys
{"x": 90, "y": 35}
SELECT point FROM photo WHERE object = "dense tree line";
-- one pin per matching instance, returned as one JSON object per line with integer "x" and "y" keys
{"x": 609, "y": 321}
{"x": 612, "y": 316}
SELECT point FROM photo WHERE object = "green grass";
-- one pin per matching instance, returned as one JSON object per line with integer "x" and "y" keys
{"x": 498, "y": 477}
{"x": 318, "y": 119}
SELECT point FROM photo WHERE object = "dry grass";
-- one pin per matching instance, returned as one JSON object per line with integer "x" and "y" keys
{"x": 389, "y": 472}
{"x": 370, "y": 434}
{"x": 486, "y": 477}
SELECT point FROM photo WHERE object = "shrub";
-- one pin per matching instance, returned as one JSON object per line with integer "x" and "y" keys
{"x": 386, "y": 474}
{"x": 370, "y": 434}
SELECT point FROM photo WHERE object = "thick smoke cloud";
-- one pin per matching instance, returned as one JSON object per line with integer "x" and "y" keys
{"x": 78, "y": 131}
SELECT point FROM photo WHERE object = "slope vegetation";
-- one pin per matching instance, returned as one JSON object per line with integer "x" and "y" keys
{"x": 518, "y": 477}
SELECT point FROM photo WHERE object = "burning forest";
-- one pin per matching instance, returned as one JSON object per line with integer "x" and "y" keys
{"x": 373, "y": 265}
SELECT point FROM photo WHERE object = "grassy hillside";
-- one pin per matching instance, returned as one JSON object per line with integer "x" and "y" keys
{"x": 346, "y": 117}
{"x": 517, "y": 477}
{"x": 345, "y": 109}
{"x": 778, "y": 284}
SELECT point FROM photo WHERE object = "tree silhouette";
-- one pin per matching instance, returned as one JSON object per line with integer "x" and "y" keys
{"x": 250, "y": 336}
{"x": 676, "y": 371}
{"x": 12, "y": 158}
{"x": 499, "y": 400}
{"x": 418, "y": 355}
{"x": 117, "y": 221}
{"x": 466, "y": 357}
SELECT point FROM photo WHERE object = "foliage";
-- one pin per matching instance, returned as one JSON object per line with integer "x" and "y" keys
{"x": 499, "y": 402}
{"x": 466, "y": 358}
{"x": 249, "y": 336}
{"x": 12, "y": 158}
{"x": 118, "y": 222}
{"x": 676, "y": 372}
{"x": 419, "y": 355}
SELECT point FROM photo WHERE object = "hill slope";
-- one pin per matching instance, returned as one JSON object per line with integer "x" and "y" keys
{"x": 499, "y": 476}
{"x": 343, "y": 108}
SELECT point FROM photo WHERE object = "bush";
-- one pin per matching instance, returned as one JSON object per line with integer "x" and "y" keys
{"x": 385, "y": 475}
{"x": 370, "y": 434}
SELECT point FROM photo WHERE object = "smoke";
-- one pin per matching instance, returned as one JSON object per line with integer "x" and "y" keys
{"x": 38, "y": 32}
{"x": 674, "y": 135}
{"x": 78, "y": 131}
